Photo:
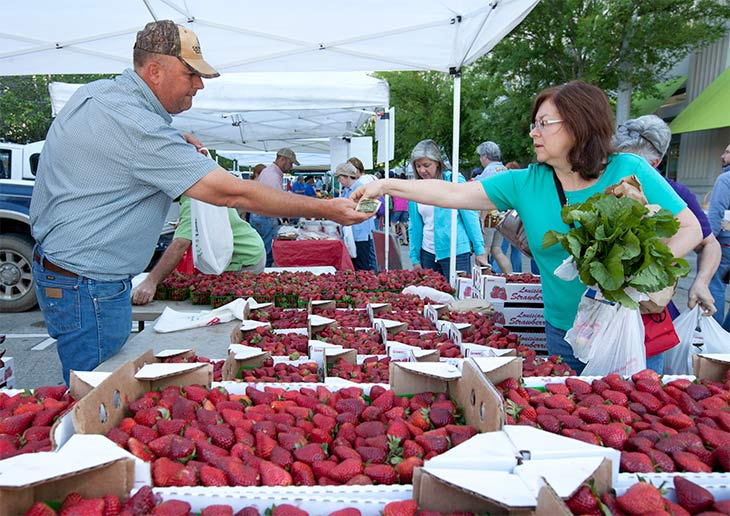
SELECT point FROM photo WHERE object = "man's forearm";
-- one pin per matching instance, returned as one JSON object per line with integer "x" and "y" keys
{"x": 169, "y": 259}
{"x": 708, "y": 259}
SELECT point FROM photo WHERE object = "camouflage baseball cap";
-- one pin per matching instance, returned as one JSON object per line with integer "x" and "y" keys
{"x": 166, "y": 37}
{"x": 289, "y": 154}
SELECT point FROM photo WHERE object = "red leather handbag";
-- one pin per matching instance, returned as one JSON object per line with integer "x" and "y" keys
{"x": 659, "y": 334}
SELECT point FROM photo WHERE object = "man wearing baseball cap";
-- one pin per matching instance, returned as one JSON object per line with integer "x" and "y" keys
{"x": 273, "y": 175}
{"x": 110, "y": 167}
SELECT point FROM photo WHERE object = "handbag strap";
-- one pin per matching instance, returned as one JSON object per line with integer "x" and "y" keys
{"x": 561, "y": 194}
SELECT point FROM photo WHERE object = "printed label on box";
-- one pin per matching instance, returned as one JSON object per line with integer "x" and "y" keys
{"x": 519, "y": 316}
{"x": 536, "y": 341}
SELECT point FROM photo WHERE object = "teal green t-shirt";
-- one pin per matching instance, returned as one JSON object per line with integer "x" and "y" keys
{"x": 533, "y": 194}
{"x": 248, "y": 248}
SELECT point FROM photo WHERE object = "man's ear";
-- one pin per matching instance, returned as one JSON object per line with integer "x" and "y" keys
{"x": 152, "y": 72}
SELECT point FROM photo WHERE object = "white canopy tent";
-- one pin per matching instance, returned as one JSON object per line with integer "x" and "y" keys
{"x": 267, "y": 111}
{"x": 88, "y": 36}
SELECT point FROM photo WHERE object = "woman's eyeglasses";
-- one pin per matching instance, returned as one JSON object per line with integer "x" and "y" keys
{"x": 539, "y": 125}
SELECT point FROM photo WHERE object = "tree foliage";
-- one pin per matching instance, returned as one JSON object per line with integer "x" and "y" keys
{"x": 25, "y": 105}
{"x": 560, "y": 40}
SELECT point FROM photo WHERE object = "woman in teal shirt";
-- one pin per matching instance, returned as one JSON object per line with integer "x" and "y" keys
{"x": 430, "y": 227}
{"x": 572, "y": 126}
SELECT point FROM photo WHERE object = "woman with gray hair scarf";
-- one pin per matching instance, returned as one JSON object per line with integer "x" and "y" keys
{"x": 649, "y": 136}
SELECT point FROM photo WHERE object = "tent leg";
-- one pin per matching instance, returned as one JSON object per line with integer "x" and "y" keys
{"x": 455, "y": 172}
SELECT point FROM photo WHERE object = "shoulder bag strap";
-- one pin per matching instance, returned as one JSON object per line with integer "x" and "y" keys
{"x": 561, "y": 194}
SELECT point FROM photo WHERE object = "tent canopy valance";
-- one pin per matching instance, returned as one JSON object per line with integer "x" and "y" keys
{"x": 710, "y": 110}
{"x": 267, "y": 111}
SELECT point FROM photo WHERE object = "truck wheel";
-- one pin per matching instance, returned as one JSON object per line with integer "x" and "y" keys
{"x": 16, "y": 276}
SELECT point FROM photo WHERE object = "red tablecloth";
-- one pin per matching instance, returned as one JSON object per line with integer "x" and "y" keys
{"x": 305, "y": 253}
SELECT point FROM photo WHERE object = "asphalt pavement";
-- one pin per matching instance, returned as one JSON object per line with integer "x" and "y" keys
{"x": 37, "y": 363}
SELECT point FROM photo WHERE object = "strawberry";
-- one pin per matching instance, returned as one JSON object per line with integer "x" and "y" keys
{"x": 577, "y": 386}
{"x": 166, "y": 473}
{"x": 636, "y": 462}
{"x": 149, "y": 416}
{"x": 698, "y": 392}
{"x": 370, "y": 454}
{"x": 615, "y": 397}
{"x": 583, "y": 501}
{"x": 211, "y": 476}
{"x": 691, "y": 496}
{"x": 649, "y": 401}
{"x": 286, "y": 509}
{"x": 112, "y": 505}
{"x": 595, "y": 415}
{"x": 310, "y": 453}
{"x": 138, "y": 449}
{"x": 370, "y": 429}
{"x": 217, "y": 510}
{"x": 420, "y": 419}
{"x": 441, "y": 416}
{"x": 172, "y": 508}
{"x": 688, "y": 405}
{"x": 281, "y": 457}
{"x": 346, "y": 512}
{"x": 645, "y": 374}
{"x": 345, "y": 470}
{"x": 581, "y": 435}
{"x": 16, "y": 425}
{"x": 641, "y": 498}
{"x": 689, "y": 462}
{"x": 118, "y": 436}
{"x": 273, "y": 475}
{"x": 651, "y": 386}
{"x": 405, "y": 468}
{"x": 662, "y": 461}
{"x": 560, "y": 401}
{"x": 460, "y": 433}
{"x": 619, "y": 413}
{"x": 55, "y": 392}
{"x": 40, "y": 509}
{"x": 264, "y": 445}
{"x": 382, "y": 474}
{"x": 713, "y": 438}
{"x": 678, "y": 421}
{"x": 72, "y": 499}
{"x": 144, "y": 433}
{"x": 46, "y": 417}
{"x": 400, "y": 508}
{"x": 549, "y": 423}
{"x": 241, "y": 474}
{"x": 302, "y": 474}
{"x": 722, "y": 506}
{"x": 221, "y": 435}
{"x": 722, "y": 457}
{"x": 207, "y": 452}
{"x": 618, "y": 383}
{"x": 142, "y": 502}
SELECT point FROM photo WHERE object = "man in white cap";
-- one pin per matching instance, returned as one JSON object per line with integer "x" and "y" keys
{"x": 110, "y": 167}
{"x": 273, "y": 175}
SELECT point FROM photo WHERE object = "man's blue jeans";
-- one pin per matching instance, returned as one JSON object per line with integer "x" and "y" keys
{"x": 429, "y": 261}
{"x": 267, "y": 227}
{"x": 90, "y": 320}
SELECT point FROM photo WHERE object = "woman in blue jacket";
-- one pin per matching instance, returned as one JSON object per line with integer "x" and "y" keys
{"x": 430, "y": 226}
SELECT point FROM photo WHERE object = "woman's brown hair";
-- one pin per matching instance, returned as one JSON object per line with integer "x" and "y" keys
{"x": 358, "y": 164}
{"x": 588, "y": 116}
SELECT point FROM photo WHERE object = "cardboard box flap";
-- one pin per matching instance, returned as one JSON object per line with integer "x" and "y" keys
{"x": 323, "y": 304}
{"x": 711, "y": 365}
{"x": 535, "y": 444}
{"x": 167, "y": 353}
{"x": 564, "y": 475}
{"x": 498, "y": 487}
{"x": 487, "y": 451}
{"x": 481, "y": 403}
{"x": 81, "y": 452}
{"x": 85, "y": 380}
{"x": 250, "y": 325}
{"x": 549, "y": 503}
{"x": 241, "y": 352}
{"x": 498, "y": 369}
{"x": 470, "y": 350}
{"x": 255, "y": 305}
{"x": 438, "y": 370}
{"x": 318, "y": 320}
{"x": 390, "y": 325}
{"x": 152, "y": 372}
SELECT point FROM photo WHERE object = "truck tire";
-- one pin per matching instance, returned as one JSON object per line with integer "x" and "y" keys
{"x": 17, "y": 292}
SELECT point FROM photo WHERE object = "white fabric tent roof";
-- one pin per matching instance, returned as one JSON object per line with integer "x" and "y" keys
{"x": 89, "y": 36}
{"x": 267, "y": 111}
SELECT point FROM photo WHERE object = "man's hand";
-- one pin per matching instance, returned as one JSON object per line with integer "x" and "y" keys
{"x": 343, "y": 211}
{"x": 483, "y": 260}
{"x": 373, "y": 190}
{"x": 699, "y": 293}
{"x": 194, "y": 141}
{"x": 144, "y": 292}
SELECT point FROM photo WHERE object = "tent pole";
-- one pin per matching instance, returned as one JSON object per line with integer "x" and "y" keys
{"x": 456, "y": 74}
{"x": 386, "y": 175}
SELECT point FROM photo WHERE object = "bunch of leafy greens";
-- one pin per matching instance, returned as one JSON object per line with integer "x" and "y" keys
{"x": 616, "y": 244}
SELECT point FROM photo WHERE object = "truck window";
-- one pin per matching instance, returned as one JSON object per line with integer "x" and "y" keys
{"x": 4, "y": 164}
{"x": 34, "y": 162}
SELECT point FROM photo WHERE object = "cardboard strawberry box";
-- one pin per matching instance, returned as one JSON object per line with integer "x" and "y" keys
{"x": 536, "y": 340}
{"x": 522, "y": 288}
{"x": 519, "y": 316}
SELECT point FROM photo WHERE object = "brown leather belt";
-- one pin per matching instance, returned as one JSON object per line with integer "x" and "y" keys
{"x": 50, "y": 266}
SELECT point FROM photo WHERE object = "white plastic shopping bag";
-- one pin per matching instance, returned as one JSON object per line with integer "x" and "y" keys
{"x": 171, "y": 320}
{"x": 607, "y": 337}
{"x": 212, "y": 237}
{"x": 349, "y": 239}
{"x": 697, "y": 334}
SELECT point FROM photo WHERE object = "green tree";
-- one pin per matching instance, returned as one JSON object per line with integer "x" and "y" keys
{"x": 25, "y": 105}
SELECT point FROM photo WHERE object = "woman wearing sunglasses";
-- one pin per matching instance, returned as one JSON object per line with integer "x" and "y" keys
{"x": 572, "y": 126}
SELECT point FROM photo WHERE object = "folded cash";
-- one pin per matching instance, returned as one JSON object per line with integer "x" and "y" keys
{"x": 368, "y": 205}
